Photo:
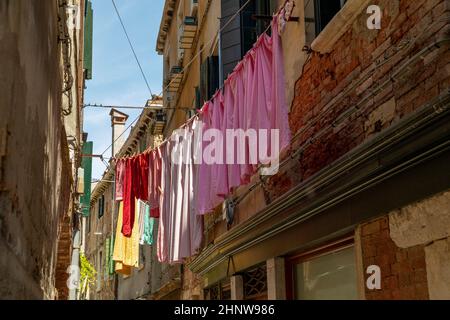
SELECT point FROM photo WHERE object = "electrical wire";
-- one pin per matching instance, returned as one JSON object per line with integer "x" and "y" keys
{"x": 131, "y": 46}
{"x": 205, "y": 45}
{"x": 187, "y": 65}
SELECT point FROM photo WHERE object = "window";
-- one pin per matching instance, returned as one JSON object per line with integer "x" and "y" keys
{"x": 318, "y": 13}
{"x": 219, "y": 291}
{"x": 209, "y": 78}
{"x": 255, "y": 18}
{"x": 101, "y": 206}
{"x": 198, "y": 99}
{"x": 326, "y": 273}
{"x": 255, "y": 283}
{"x": 240, "y": 35}
{"x": 88, "y": 222}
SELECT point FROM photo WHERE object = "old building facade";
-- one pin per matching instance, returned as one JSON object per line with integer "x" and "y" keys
{"x": 41, "y": 96}
{"x": 151, "y": 280}
{"x": 365, "y": 178}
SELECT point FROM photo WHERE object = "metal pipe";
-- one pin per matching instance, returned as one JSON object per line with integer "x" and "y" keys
{"x": 75, "y": 262}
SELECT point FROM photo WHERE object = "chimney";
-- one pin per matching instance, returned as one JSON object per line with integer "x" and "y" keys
{"x": 118, "y": 120}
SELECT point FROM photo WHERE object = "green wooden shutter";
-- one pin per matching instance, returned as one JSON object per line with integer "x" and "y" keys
{"x": 88, "y": 38}
{"x": 111, "y": 252}
{"x": 107, "y": 256}
{"x": 86, "y": 163}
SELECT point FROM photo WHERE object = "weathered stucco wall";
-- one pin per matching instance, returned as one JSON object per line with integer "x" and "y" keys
{"x": 427, "y": 223}
{"x": 35, "y": 173}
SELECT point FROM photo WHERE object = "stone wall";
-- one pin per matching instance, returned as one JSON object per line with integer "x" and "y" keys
{"x": 35, "y": 173}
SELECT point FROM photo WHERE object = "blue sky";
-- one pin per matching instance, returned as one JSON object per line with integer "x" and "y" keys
{"x": 116, "y": 78}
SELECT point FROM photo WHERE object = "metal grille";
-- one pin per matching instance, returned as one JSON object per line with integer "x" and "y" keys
{"x": 255, "y": 282}
{"x": 214, "y": 292}
{"x": 220, "y": 291}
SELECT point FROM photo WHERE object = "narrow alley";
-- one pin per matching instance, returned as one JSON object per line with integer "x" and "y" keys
{"x": 211, "y": 150}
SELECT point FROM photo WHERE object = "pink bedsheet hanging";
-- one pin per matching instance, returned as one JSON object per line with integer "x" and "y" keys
{"x": 253, "y": 100}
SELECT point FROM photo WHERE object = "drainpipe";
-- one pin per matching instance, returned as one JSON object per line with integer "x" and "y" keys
{"x": 75, "y": 261}
{"x": 220, "y": 58}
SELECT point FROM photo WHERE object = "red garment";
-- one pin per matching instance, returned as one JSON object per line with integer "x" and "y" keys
{"x": 135, "y": 187}
{"x": 142, "y": 163}
{"x": 128, "y": 198}
{"x": 120, "y": 173}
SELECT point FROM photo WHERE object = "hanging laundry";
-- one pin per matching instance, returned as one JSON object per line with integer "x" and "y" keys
{"x": 154, "y": 182}
{"x": 194, "y": 171}
{"x": 135, "y": 187}
{"x": 180, "y": 228}
{"x": 164, "y": 204}
{"x": 141, "y": 209}
{"x": 126, "y": 249}
{"x": 207, "y": 171}
{"x": 250, "y": 119}
{"x": 142, "y": 161}
{"x": 129, "y": 196}
{"x": 149, "y": 224}
{"x": 145, "y": 224}
{"x": 120, "y": 173}
{"x": 279, "y": 111}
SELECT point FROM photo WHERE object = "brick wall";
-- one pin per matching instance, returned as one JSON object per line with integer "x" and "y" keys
{"x": 363, "y": 76}
{"x": 403, "y": 271}
{"x": 192, "y": 286}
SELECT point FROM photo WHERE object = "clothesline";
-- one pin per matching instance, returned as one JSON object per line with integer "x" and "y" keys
{"x": 280, "y": 11}
{"x": 150, "y": 149}
{"x": 181, "y": 190}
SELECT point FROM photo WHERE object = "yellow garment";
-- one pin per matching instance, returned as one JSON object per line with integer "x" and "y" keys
{"x": 126, "y": 250}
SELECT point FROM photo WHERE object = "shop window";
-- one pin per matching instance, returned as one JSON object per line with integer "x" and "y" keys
{"x": 318, "y": 13}
{"x": 219, "y": 291}
{"x": 327, "y": 273}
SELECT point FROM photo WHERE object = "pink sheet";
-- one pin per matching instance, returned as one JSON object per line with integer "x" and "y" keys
{"x": 253, "y": 99}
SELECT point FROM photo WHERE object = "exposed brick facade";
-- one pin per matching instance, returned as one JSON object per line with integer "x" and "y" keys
{"x": 370, "y": 80}
{"x": 372, "y": 70}
{"x": 403, "y": 271}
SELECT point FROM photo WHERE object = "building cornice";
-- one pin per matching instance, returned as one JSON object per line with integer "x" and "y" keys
{"x": 128, "y": 148}
{"x": 166, "y": 22}
{"x": 413, "y": 140}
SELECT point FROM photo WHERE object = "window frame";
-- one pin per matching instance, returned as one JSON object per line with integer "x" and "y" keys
{"x": 101, "y": 206}
{"x": 319, "y": 27}
{"x": 312, "y": 253}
